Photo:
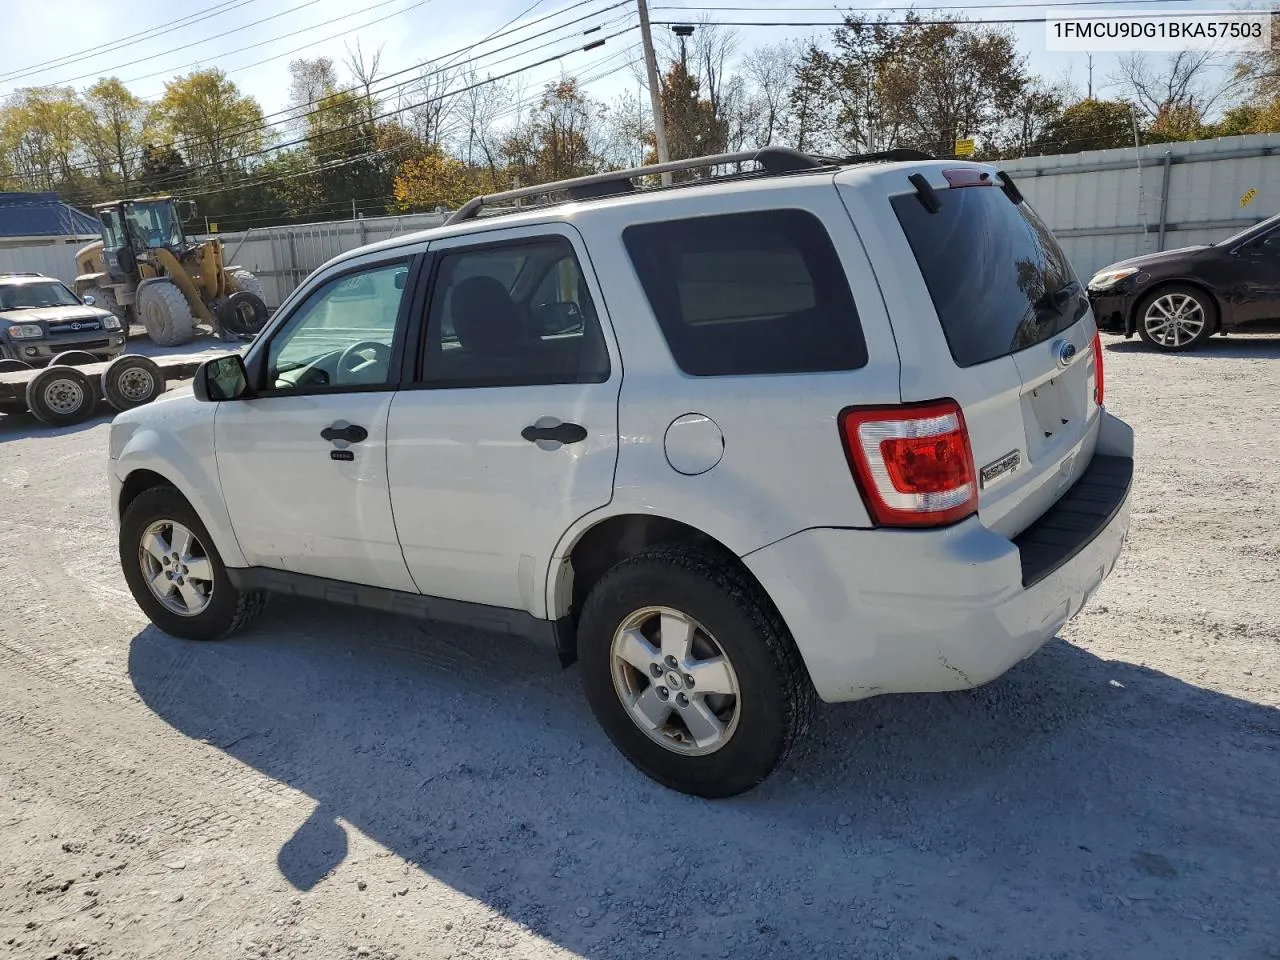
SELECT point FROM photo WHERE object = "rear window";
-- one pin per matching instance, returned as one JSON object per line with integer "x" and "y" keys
{"x": 748, "y": 293}
{"x": 998, "y": 278}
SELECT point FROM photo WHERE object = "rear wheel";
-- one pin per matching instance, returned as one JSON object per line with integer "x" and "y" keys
{"x": 175, "y": 573}
{"x": 1177, "y": 318}
{"x": 691, "y": 671}
{"x": 165, "y": 314}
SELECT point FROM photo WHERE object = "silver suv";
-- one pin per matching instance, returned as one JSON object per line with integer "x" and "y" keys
{"x": 824, "y": 429}
{"x": 40, "y": 318}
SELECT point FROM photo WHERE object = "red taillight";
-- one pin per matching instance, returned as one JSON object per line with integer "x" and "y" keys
{"x": 1098, "y": 392}
{"x": 912, "y": 462}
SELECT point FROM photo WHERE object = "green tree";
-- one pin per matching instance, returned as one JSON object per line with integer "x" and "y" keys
{"x": 112, "y": 127}
{"x": 162, "y": 170}
{"x": 213, "y": 124}
{"x": 1087, "y": 125}
{"x": 560, "y": 137}
{"x": 40, "y": 132}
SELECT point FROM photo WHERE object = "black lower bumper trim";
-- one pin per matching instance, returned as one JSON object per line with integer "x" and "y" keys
{"x": 1073, "y": 522}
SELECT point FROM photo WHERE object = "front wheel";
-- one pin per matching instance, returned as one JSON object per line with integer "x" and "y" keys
{"x": 174, "y": 571}
{"x": 1177, "y": 318}
{"x": 691, "y": 671}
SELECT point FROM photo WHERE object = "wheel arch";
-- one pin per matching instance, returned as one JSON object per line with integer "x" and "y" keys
{"x": 591, "y": 551}
{"x": 1219, "y": 307}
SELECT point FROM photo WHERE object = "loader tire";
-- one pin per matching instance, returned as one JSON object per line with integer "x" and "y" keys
{"x": 165, "y": 314}
{"x": 248, "y": 282}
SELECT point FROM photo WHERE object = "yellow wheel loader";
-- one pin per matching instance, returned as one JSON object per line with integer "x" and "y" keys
{"x": 145, "y": 270}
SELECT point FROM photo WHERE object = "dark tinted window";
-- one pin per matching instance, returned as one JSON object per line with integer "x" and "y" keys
{"x": 513, "y": 314}
{"x": 748, "y": 293}
{"x": 998, "y": 279}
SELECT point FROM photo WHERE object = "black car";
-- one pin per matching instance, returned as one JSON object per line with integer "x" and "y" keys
{"x": 1177, "y": 299}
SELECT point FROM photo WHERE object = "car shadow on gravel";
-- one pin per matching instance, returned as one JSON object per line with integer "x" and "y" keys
{"x": 1075, "y": 807}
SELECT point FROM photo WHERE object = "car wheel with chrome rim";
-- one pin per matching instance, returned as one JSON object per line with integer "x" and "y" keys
{"x": 174, "y": 571}
{"x": 1177, "y": 318}
{"x": 691, "y": 671}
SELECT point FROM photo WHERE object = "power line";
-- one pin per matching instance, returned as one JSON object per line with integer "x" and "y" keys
{"x": 294, "y": 33}
{"x": 291, "y": 114}
{"x": 708, "y": 8}
{"x": 993, "y": 21}
{"x": 414, "y": 106}
{"x": 45, "y": 65}
{"x": 195, "y": 43}
{"x": 255, "y": 126}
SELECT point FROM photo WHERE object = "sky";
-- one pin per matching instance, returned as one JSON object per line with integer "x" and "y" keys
{"x": 88, "y": 42}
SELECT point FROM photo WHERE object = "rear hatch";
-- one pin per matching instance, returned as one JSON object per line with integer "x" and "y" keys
{"x": 986, "y": 310}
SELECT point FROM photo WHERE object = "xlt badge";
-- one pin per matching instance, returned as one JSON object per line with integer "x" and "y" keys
{"x": 1000, "y": 468}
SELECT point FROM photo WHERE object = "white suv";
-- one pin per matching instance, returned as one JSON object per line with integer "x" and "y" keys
{"x": 827, "y": 428}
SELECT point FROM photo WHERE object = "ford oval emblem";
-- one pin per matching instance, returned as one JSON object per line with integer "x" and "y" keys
{"x": 1066, "y": 353}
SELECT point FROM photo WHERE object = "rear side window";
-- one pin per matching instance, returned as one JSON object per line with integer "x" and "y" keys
{"x": 748, "y": 293}
{"x": 998, "y": 279}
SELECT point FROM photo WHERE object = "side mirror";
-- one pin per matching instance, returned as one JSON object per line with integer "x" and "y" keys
{"x": 222, "y": 378}
{"x": 89, "y": 301}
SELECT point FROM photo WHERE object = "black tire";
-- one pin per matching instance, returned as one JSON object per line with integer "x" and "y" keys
{"x": 228, "y": 609}
{"x": 1208, "y": 311}
{"x": 242, "y": 313}
{"x": 776, "y": 697}
{"x": 14, "y": 366}
{"x": 165, "y": 314}
{"x": 61, "y": 396}
{"x": 131, "y": 381}
{"x": 73, "y": 358}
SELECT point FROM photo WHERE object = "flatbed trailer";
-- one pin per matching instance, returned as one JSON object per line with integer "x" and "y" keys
{"x": 70, "y": 389}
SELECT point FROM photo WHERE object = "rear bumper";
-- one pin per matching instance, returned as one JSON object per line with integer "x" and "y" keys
{"x": 901, "y": 611}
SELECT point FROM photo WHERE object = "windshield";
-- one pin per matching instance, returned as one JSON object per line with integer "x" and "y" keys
{"x": 25, "y": 296}
{"x": 1240, "y": 235}
{"x": 154, "y": 225}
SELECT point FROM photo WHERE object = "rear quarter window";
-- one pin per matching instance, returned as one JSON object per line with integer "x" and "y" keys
{"x": 998, "y": 279}
{"x": 748, "y": 293}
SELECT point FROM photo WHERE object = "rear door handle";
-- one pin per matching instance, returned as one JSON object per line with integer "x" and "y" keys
{"x": 560, "y": 433}
{"x": 348, "y": 432}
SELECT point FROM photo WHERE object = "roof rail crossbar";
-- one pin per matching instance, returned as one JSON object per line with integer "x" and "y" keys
{"x": 775, "y": 161}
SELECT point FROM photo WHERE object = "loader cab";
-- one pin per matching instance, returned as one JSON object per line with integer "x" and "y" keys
{"x": 131, "y": 228}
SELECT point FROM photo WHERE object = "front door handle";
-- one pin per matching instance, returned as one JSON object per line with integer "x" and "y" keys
{"x": 560, "y": 433}
{"x": 348, "y": 432}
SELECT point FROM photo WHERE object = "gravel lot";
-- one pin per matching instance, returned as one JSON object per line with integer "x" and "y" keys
{"x": 338, "y": 784}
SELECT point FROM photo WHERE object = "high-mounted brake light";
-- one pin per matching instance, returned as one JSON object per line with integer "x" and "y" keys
{"x": 967, "y": 177}
{"x": 913, "y": 463}
{"x": 1098, "y": 391}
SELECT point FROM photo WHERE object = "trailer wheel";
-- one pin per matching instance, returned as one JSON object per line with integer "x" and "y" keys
{"x": 73, "y": 358}
{"x": 131, "y": 381}
{"x": 60, "y": 396}
{"x": 14, "y": 366}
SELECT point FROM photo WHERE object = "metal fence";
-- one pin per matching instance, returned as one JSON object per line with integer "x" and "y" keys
{"x": 1107, "y": 205}
{"x": 57, "y": 259}
{"x": 1104, "y": 206}
{"x": 284, "y": 256}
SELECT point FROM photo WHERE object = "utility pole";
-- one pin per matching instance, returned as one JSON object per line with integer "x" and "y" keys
{"x": 1090, "y": 96}
{"x": 655, "y": 93}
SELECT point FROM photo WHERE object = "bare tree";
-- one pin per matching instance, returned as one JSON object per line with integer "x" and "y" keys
{"x": 1192, "y": 79}
{"x": 479, "y": 110}
{"x": 365, "y": 76}
{"x": 434, "y": 115}
{"x": 310, "y": 81}
{"x": 628, "y": 130}
{"x": 771, "y": 72}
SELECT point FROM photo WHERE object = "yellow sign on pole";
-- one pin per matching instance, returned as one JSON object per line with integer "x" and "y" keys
{"x": 1248, "y": 196}
{"x": 964, "y": 148}
{"x": 213, "y": 228}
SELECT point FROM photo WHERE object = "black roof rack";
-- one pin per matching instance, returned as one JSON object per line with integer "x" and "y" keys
{"x": 773, "y": 161}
